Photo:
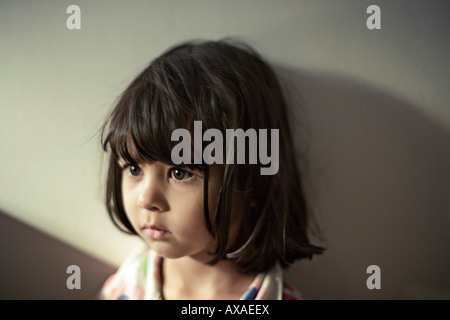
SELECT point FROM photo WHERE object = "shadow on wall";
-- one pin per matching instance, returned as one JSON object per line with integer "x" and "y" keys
{"x": 34, "y": 265}
{"x": 378, "y": 178}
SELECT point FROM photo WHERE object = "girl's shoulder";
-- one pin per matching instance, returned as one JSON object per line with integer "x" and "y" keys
{"x": 137, "y": 277}
{"x": 272, "y": 286}
{"x": 290, "y": 292}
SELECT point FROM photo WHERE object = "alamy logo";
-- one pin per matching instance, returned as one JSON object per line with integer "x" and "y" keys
{"x": 73, "y": 22}
{"x": 213, "y": 152}
{"x": 374, "y": 280}
{"x": 374, "y": 20}
{"x": 73, "y": 281}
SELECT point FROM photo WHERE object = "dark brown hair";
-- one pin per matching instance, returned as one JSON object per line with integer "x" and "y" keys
{"x": 226, "y": 85}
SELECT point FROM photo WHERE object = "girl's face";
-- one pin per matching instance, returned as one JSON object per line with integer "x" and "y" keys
{"x": 165, "y": 206}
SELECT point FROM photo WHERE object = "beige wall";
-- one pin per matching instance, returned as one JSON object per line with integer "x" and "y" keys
{"x": 374, "y": 104}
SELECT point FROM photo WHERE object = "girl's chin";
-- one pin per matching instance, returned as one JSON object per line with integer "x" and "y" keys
{"x": 171, "y": 253}
{"x": 165, "y": 250}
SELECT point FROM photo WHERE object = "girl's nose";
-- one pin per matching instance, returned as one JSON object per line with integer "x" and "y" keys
{"x": 151, "y": 196}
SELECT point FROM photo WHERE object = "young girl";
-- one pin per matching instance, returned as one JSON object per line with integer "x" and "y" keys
{"x": 210, "y": 231}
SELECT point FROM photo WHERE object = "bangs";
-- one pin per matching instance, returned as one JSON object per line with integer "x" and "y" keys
{"x": 140, "y": 127}
{"x": 171, "y": 93}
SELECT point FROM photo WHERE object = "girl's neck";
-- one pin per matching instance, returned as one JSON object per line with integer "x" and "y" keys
{"x": 190, "y": 278}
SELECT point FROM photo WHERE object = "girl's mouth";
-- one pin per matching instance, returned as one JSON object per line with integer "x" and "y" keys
{"x": 155, "y": 233}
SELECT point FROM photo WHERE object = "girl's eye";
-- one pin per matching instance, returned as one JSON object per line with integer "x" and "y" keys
{"x": 134, "y": 170}
{"x": 180, "y": 174}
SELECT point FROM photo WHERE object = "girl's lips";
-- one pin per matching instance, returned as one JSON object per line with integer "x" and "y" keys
{"x": 155, "y": 233}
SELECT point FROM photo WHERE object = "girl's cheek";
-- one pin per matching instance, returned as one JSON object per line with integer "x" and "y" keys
{"x": 129, "y": 197}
